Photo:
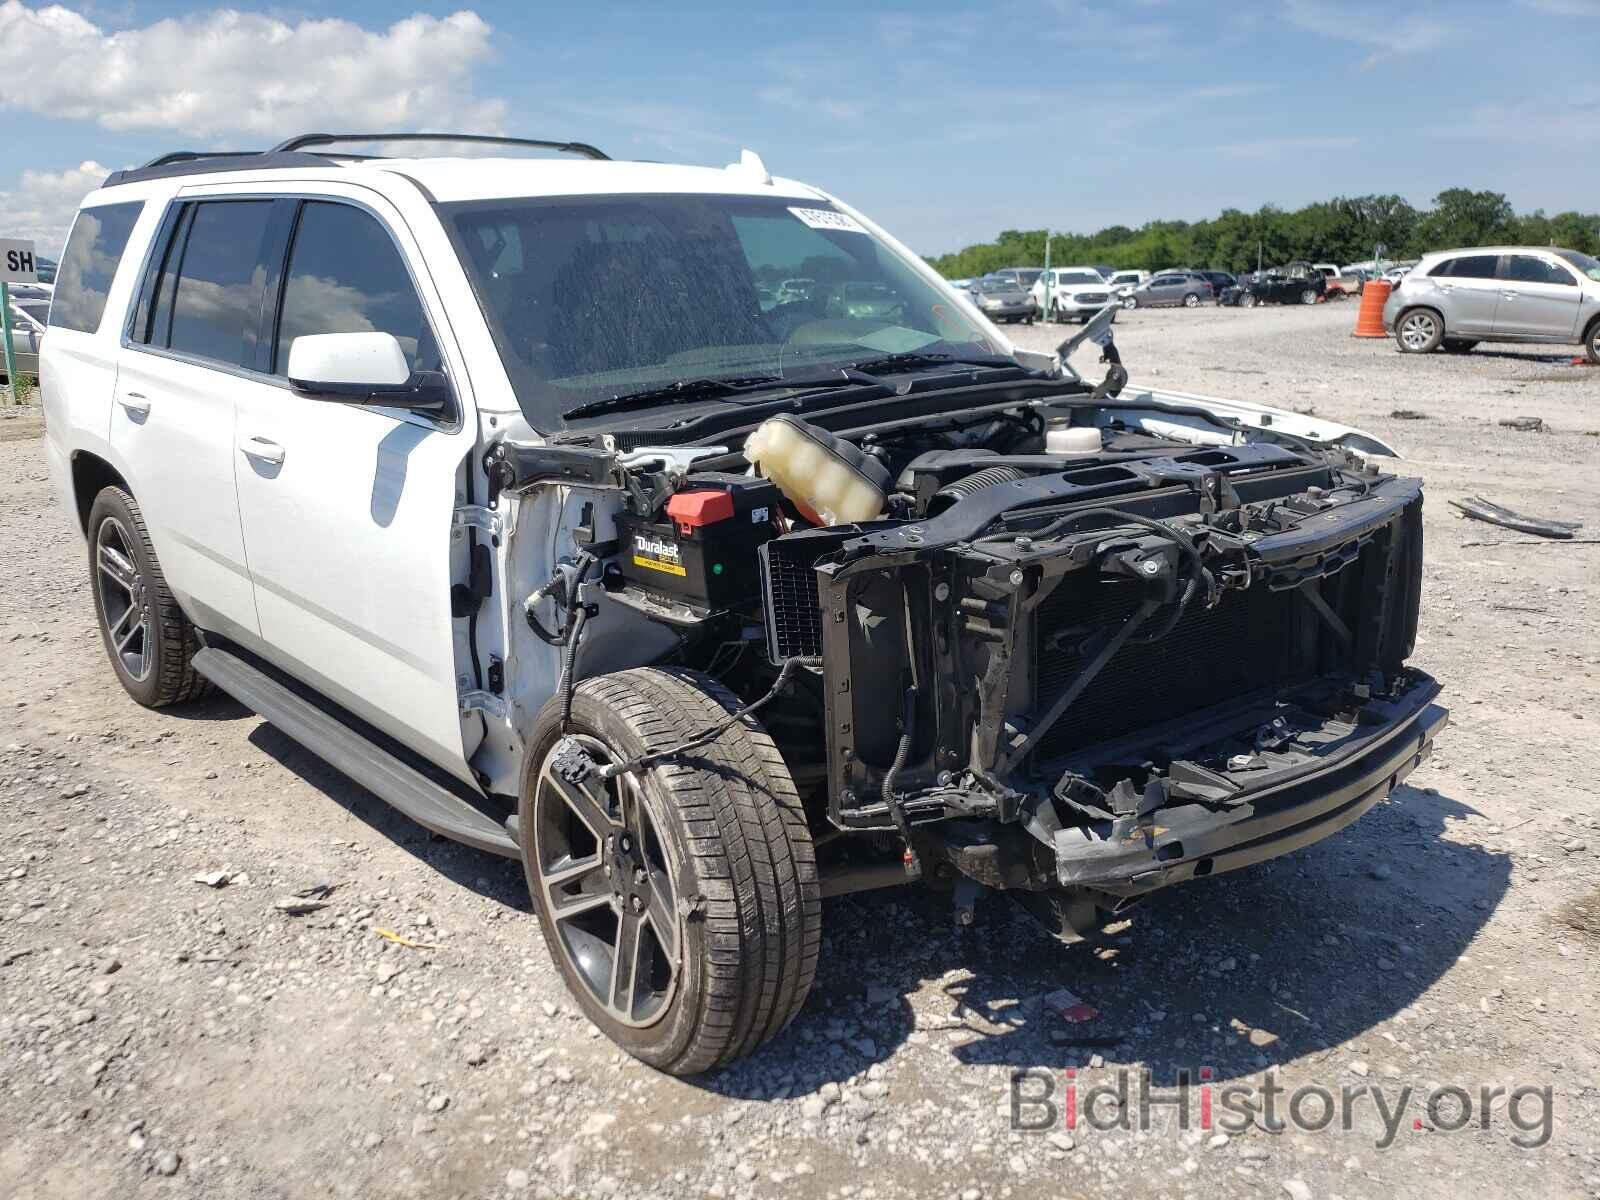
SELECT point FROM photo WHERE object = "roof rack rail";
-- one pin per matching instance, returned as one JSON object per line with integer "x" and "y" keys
{"x": 325, "y": 139}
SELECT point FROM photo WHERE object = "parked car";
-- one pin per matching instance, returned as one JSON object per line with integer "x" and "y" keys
{"x": 1075, "y": 293}
{"x": 1297, "y": 283}
{"x": 1023, "y": 277}
{"x": 1219, "y": 280}
{"x": 1337, "y": 285}
{"x": 961, "y": 285}
{"x": 1457, "y": 298}
{"x": 792, "y": 291}
{"x": 1168, "y": 288}
{"x": 864, "y": 301}
{"x": 27, "y": 319}
{"x": 703, "y": 613}
{"x": 1123, "y": 282}
{"x": 1002, "y": 299}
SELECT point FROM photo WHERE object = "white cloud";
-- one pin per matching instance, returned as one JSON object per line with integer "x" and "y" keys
{"x": 1378, "y": 27}
{"x": 44, "y": 202}
{"x": 235, "y": 73}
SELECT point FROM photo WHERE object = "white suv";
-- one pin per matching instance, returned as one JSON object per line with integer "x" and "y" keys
{"x": 516, "y": 489}
{"x": 1071, "y": 293}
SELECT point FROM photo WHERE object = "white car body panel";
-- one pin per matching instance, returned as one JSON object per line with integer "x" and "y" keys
{"x": 1238, "y": 412}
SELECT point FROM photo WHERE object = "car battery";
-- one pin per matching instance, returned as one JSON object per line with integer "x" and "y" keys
{"x": 704, "y": 552}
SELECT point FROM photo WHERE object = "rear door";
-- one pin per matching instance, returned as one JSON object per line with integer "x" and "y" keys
{"x": 182, "y": 367}
{"x": 347, "y": 508}
{"x": 1469, "y": 293}
{"x": 1165, "y": 289}
{"x": 1539, "y": 298}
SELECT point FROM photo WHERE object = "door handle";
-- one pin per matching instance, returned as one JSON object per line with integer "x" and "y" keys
{"x": 135, "y": 404}
{"x": 262, "y": 449}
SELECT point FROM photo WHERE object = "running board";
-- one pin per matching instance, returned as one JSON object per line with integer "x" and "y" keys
{"x": 404, "y": 787}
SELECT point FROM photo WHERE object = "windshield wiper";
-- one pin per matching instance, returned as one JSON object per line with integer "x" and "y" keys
{"x": 701, "y": 389}
{"x": 917, "y": 359}
{"x": 684, "y": 389}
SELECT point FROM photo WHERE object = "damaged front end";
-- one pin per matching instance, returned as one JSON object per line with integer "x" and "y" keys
{"x": 1086, "y": 681}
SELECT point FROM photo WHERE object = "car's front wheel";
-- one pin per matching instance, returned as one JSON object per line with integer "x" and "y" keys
{"x": 1308, "y": 296}
{"x": 147, "y": 637}
{"x": 1130, "y": 302}
{"x": 1419, "y": 332}
{"x": 1591, "y": 344}
{"x": 1248, "y": 300}
{"x": 679, "y": 901}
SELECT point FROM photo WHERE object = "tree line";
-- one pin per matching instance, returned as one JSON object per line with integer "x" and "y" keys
{"x": 1342, "y": 230}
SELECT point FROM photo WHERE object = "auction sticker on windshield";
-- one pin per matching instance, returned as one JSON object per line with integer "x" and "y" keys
{"x": 826, "y": 218}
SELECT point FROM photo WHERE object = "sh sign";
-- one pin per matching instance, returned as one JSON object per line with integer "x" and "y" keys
{"x": 16, "y": 266}
{"x": 16, "y": 262}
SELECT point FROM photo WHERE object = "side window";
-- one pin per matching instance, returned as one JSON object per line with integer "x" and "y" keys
{"x": 1470, "y": 266}
{"x": 346, "y": 276}
{"x": 215, "y": 281}
{"x": 83, "y": 280}
{"x": 1525, "y": 268}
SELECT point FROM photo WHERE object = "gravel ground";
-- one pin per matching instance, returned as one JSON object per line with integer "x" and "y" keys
{"x": 163, "y": 1036}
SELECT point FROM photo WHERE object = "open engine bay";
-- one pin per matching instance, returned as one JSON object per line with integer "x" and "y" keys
{"x": 1021, "y": 632}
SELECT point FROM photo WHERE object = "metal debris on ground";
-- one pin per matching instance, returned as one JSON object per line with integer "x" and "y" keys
{"x": 1480, "y": 509}
{"x": 403, "y": 941}
{"x": 297, "y": 906}
{"x": 1525, "y": 424}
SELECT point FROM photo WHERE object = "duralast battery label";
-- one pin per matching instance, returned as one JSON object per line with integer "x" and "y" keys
{"x": 657, "y": 554}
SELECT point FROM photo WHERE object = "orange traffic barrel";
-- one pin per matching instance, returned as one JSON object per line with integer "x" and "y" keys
{"x": 1369, "y": 321}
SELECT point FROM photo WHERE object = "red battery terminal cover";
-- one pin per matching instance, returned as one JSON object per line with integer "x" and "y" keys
{"x": 691, "y": 510}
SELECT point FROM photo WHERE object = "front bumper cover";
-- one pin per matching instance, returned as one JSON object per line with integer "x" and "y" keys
{"x": 1184, "y": 842}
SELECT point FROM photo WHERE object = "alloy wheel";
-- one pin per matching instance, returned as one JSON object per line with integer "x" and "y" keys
{"x": 1418, "y": 330}
{"x": 605, "y": 878}
{"x": 124, "y": 599}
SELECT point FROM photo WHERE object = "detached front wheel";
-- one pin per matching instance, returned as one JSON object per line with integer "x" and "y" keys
{"x": 680, "y": 902}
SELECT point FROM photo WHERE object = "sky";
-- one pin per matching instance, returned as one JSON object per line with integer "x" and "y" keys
{"x": 946, "y": 122}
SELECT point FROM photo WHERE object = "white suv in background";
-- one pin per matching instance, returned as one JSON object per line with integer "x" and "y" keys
{"x": 1074, "y": 293}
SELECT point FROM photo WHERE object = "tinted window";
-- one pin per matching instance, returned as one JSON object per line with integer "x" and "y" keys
{"x": 1524, "y": 268}
{"x": 83, "y": 279}
{"x": 346, "y": 276}
{"x": 1472, "y": 266}
{"x": 217, "y": 302}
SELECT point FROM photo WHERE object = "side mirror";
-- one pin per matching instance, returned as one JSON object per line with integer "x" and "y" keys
{"x": 363, "y": 368}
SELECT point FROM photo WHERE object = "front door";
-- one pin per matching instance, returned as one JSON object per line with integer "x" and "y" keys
{"x": 347, "y": 508}
{"x": 1538, "y": 299}
{"x": 178, "y": 377}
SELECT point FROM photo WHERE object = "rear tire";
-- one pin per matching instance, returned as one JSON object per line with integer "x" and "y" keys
{"x": 726, "y": 859}
{"x": 1309, "y": 296}
{"x": 149, "y": 641}
{"x": 1192, "y": 300}
{"x": 1248, "y": 300}
{"x": 1419, "y": 331}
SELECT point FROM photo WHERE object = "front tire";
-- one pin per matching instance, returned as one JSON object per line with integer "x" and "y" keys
{"x": 150, "y": 643}
{"x": 1419, "y": 331}
{"x": 698, "y": 875}
{"x": 1248, "y": 300}
{"x": 1309, "y": 296}
{"x": 1591, "y": 344}
{"x": 1130, "y": 302}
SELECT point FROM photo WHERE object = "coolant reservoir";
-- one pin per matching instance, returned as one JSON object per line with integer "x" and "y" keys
{"x": 1072, "y": 441}
{"x": 824, "y": 476}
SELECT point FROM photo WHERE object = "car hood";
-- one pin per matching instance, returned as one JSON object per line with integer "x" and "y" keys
{"x": 1166, "y": 415}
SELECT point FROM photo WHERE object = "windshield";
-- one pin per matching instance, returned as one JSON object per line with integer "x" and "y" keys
{"x": 998, "y": 285}
{"x": 1078, "y": 277}
{"x": 1588, "y": 265}
{"x": 599, "y": 296}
